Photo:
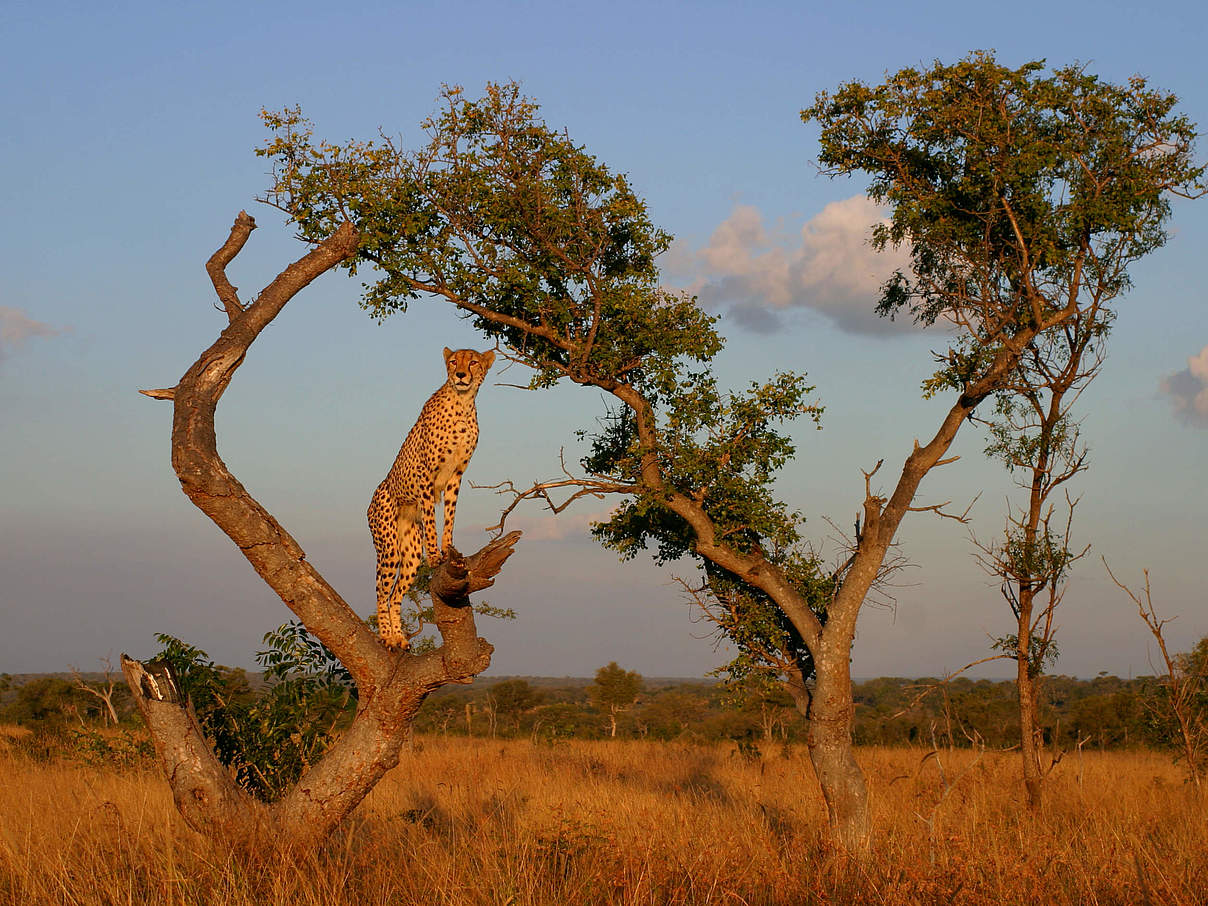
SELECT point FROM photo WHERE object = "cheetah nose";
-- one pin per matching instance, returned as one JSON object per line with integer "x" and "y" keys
{"x": 461, "y": 374}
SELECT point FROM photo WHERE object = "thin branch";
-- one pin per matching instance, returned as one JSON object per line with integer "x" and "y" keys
{"x": 938, "y": 509}
{"x": 585, "y": 487}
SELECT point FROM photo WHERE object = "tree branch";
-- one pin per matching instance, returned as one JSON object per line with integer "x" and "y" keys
{"x": 216, "y": 266}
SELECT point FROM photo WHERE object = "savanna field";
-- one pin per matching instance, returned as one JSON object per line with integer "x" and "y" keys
{"x": 478, "y": 821}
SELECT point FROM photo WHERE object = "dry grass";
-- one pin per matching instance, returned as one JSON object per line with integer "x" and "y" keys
{"x": 481, "y": 822}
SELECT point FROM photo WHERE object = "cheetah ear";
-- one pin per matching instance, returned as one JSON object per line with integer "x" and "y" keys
{"x": 448, "y": 354}
{"x": 488, "y": 359}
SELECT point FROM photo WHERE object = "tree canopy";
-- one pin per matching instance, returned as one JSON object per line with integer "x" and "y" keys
{"x": 1019, "y": 193}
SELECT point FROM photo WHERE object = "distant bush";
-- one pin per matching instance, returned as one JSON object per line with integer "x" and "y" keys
{"x": 122, "y": 749}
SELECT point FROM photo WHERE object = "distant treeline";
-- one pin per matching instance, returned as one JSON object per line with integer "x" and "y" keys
{"x": 1104, "y": 712}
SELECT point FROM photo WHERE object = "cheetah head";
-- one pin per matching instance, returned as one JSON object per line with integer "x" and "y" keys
{"x": 467, "y": 368}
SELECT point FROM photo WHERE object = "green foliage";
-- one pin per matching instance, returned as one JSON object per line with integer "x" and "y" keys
{"x": 767, "y": 642}
{"x": 515, "y": 696}
{"x": 1102, "y": 713}
{"x": 512, "y": 700}
{"x": 614, "y": 687}
{"x": 1019, "y": 193}
{"x": 1018, "y": 442}
{"x": 1194, "y": 664}
{"x": 721, "y": 449}
{"x": 1043, "y": 559}
{"x": 1043, "y": 654}
{"x": 268, "y": 738}
{"x": 499, "y": 213}
{"x": 46, "y": 700}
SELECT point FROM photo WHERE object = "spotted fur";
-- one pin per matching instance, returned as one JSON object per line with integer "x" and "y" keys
{"x": 430, "y": 464}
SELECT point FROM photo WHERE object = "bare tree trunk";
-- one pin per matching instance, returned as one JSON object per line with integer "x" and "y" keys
{"x": 1032, "y": 777}
{"x": 830, "y": 746}
{"x": 1026, "y": 689}
{"x": 391, "y": 686}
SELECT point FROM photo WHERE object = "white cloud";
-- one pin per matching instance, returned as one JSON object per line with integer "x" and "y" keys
{"x": 16, "y": 327}
{"x": 829, "y": 267}
{"x": 1188, "y": 390}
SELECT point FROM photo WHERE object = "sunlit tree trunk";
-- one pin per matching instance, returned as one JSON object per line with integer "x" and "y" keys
{"x": 830, "y": 746}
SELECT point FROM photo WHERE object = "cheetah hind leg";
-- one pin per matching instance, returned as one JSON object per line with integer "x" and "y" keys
{"x": 383, "y": 526}
{"x": 410, "y": 557}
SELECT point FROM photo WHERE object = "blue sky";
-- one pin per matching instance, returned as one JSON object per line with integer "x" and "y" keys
{"x": 127, "y": 151}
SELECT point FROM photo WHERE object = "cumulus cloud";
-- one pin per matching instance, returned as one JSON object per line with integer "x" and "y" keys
{"x": 1188, "y": 390}
{"x": 16, "y": 327}
{"x": 829, "y": 267}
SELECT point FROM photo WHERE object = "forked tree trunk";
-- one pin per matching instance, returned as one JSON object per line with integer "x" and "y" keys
{"x": 831, "y": 708}
{"x": 391, "y": 686}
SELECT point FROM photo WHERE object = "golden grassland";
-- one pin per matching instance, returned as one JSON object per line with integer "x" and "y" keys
{"x": 475, "y": 821}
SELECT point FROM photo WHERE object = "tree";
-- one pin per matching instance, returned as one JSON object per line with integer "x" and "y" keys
{"x": 1183, "y": 683}
{"x": 1015, "y": 191}
{"x": 390, "y": 687}
{"x": 44, "y": 700}
{"x": 614, "y": 690}
{"x": 510, "y": 699}
{"x": 1024, "y": 198}
{"x": 103, "y": 692}
{"x": 1035, "y": 436}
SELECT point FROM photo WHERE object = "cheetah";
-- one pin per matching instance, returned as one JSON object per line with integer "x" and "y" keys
{"x": 430, "y": 464}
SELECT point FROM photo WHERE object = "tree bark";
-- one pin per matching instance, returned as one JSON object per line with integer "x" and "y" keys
{"x": 1032, "y": 777}
{"x": 840, "y": 777}
{"x": 391, "y": 686}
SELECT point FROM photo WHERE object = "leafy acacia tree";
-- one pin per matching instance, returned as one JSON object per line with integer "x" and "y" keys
{"x": 615, "y": 689}
{"x": 1016, "y": 191}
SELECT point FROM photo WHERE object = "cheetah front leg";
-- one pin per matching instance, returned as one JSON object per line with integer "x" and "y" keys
{"x": 451, "y": 491}
{"x": 427, "y": 512}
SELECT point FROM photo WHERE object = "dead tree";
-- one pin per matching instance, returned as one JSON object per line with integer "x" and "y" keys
{"x": 1180, "y": 685}
{"x": 104, "y": 692}
{"x": 391, "y": 686}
